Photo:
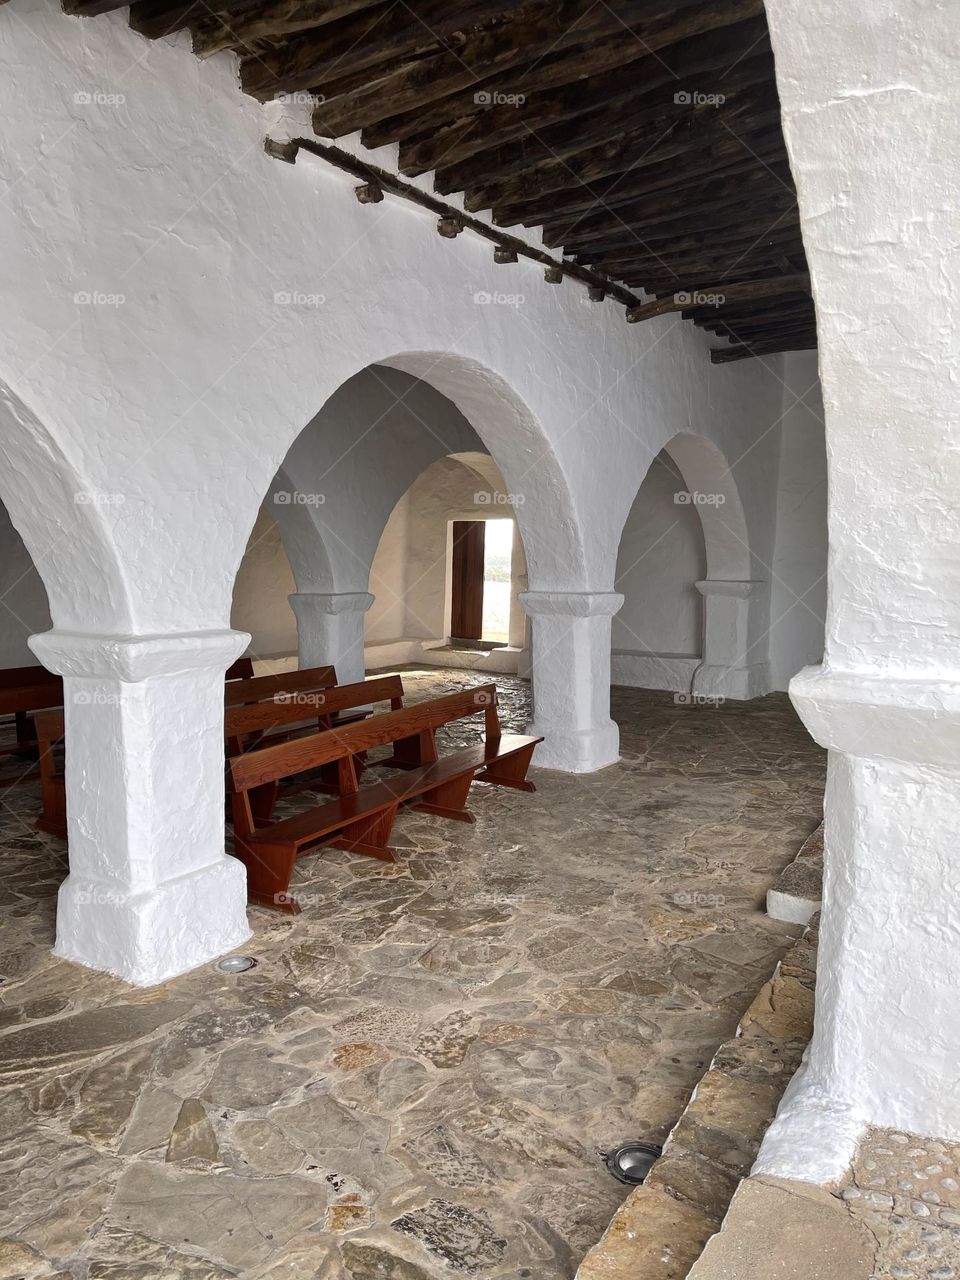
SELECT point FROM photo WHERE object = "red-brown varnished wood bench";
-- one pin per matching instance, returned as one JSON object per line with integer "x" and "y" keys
{"x": 360, "y": 818}
{"x": 242, "y": 669}
{"x": 262, "y": 724}
{"x": 24, "y": 690}
{"x": 53, "y": 813}
{"x": 260, "y": 688}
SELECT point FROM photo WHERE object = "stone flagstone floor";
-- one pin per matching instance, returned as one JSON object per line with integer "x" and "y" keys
{"x": 413, "y": 1082}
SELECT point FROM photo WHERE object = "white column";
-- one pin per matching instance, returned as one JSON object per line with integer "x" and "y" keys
{"x": 887, "y": 1038}
{"x": 571, "y": 678}
{"x": 734, "y": 615}
{"x": 330, "y": 630}
{"x": 859, "y": 86}
{"x": 151, "y": 892}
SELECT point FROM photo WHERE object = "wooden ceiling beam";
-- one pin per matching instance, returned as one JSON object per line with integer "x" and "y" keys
{"x": 718, "y": 194}
{"x": 92, "y": 8}
{"x": 777, "y": 286}
{"x": 726, "y": 355}
{"x": 556, "y": 70}
{"x": 755, "y": 306}
{"x": 703, "y": 157}
{"x": 747, "y": 219}
{"x": 697, "y": 247}
{"x": 713, "y": 163}
{"x": 267, "y": 20}
{"x": 482, "y": 128}
{"x": 641, "y": 122}
{"x": 369, "y": 44}
{"x": 411, "y": 86}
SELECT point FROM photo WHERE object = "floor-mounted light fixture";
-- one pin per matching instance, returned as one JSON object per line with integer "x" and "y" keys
{"x": 631, "y": 1161}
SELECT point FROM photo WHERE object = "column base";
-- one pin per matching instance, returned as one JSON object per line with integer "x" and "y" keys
{"x": 739, "y": 684}
{"x": 814, "y": 1137}
{"x": 147, "y": 937}
{"x": 576, "y": 751}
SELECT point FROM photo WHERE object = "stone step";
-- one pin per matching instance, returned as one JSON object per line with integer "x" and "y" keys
{"x": 796, "y": 896}
{"x": 662, "y": 1227}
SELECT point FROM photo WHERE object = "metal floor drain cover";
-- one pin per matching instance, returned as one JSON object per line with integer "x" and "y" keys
{"x": 631, "y": 1161}
{"x": 235, "y": 964}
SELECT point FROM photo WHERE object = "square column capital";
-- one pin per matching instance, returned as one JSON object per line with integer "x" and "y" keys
{"x": 135, "y": 658}
{"x": 876, "y": 716}
{"x": 570, "y": 604}
{"x": 310, "y": 602}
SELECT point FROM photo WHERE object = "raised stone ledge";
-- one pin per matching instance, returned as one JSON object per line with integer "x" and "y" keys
{"x": 663, "y": 1226}
{"x": 797, "y": 895}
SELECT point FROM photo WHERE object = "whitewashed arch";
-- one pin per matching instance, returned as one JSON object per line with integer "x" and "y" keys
{"x": 65, "y": 522}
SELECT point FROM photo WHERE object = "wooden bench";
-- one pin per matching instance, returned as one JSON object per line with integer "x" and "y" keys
{"x": 262, "y": 724}
{"x": 53, "y": 813}
{"x": 260, "y": 688}
{"x": 360, "y": 819}
{"x": 242, "y": 669}
{"x": 24, "y": 690}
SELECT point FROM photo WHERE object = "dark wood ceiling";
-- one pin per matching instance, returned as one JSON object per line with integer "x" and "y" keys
{"x": 642, "y": 136}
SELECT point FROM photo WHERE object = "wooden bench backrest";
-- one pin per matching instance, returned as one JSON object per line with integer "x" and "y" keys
{"x": 288, "y": 706}
{"x": 272, "y": 763}
{"x": 262, "y": 687}
{"x": 265, "y": 715}
{"x": 242, "y": 669}
{"x": 32, "y": 697}
{"x": 18, "y": 677}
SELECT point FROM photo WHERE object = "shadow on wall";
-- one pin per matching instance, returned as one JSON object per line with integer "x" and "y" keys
{"x": 23, "y": 598}
{"x": 657, "y": 635}
{"x": 260, "y": 594}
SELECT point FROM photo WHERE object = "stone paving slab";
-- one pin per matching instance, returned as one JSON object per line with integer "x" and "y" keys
{"x": 413, "y": 1082}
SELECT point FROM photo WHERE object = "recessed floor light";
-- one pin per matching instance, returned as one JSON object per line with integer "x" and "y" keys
{"x": 235, "y": 964}
{"x": 631, "y": 1161}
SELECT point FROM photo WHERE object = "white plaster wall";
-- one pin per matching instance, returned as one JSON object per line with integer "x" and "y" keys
{"x": 411, "y": 570}
{"x": 261, "y": 594}
{"x": 798, "y": 600}
{"x": 661, "y": 559}
{"x": 23, "y": 600}
{"x": 186, "y": 395}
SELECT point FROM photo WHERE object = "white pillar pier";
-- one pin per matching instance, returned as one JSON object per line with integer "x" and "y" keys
{"x": 734, "y": 616}
{"x": 151, "y": 892}
{"x": 571, "y": 678}
{"x": 887, "y": 1038}
{"x": 330, "y": 630}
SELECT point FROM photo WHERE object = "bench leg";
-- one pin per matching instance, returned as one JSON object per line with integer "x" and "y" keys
{"x": 411, "y": 753}
{"x": 448, "y": 800}
{"x": 53, "y": 816}
{"x": 511, "y": 772}
{"x": 26, "y": 736}
{"x": 269, "y": 868}
{"x": 369, "y": 836}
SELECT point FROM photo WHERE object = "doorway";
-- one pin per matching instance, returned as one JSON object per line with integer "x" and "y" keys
{"x": 481, "y": 583}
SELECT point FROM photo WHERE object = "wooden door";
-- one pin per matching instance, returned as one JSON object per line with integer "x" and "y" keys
{"x": 466, "y": 616}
